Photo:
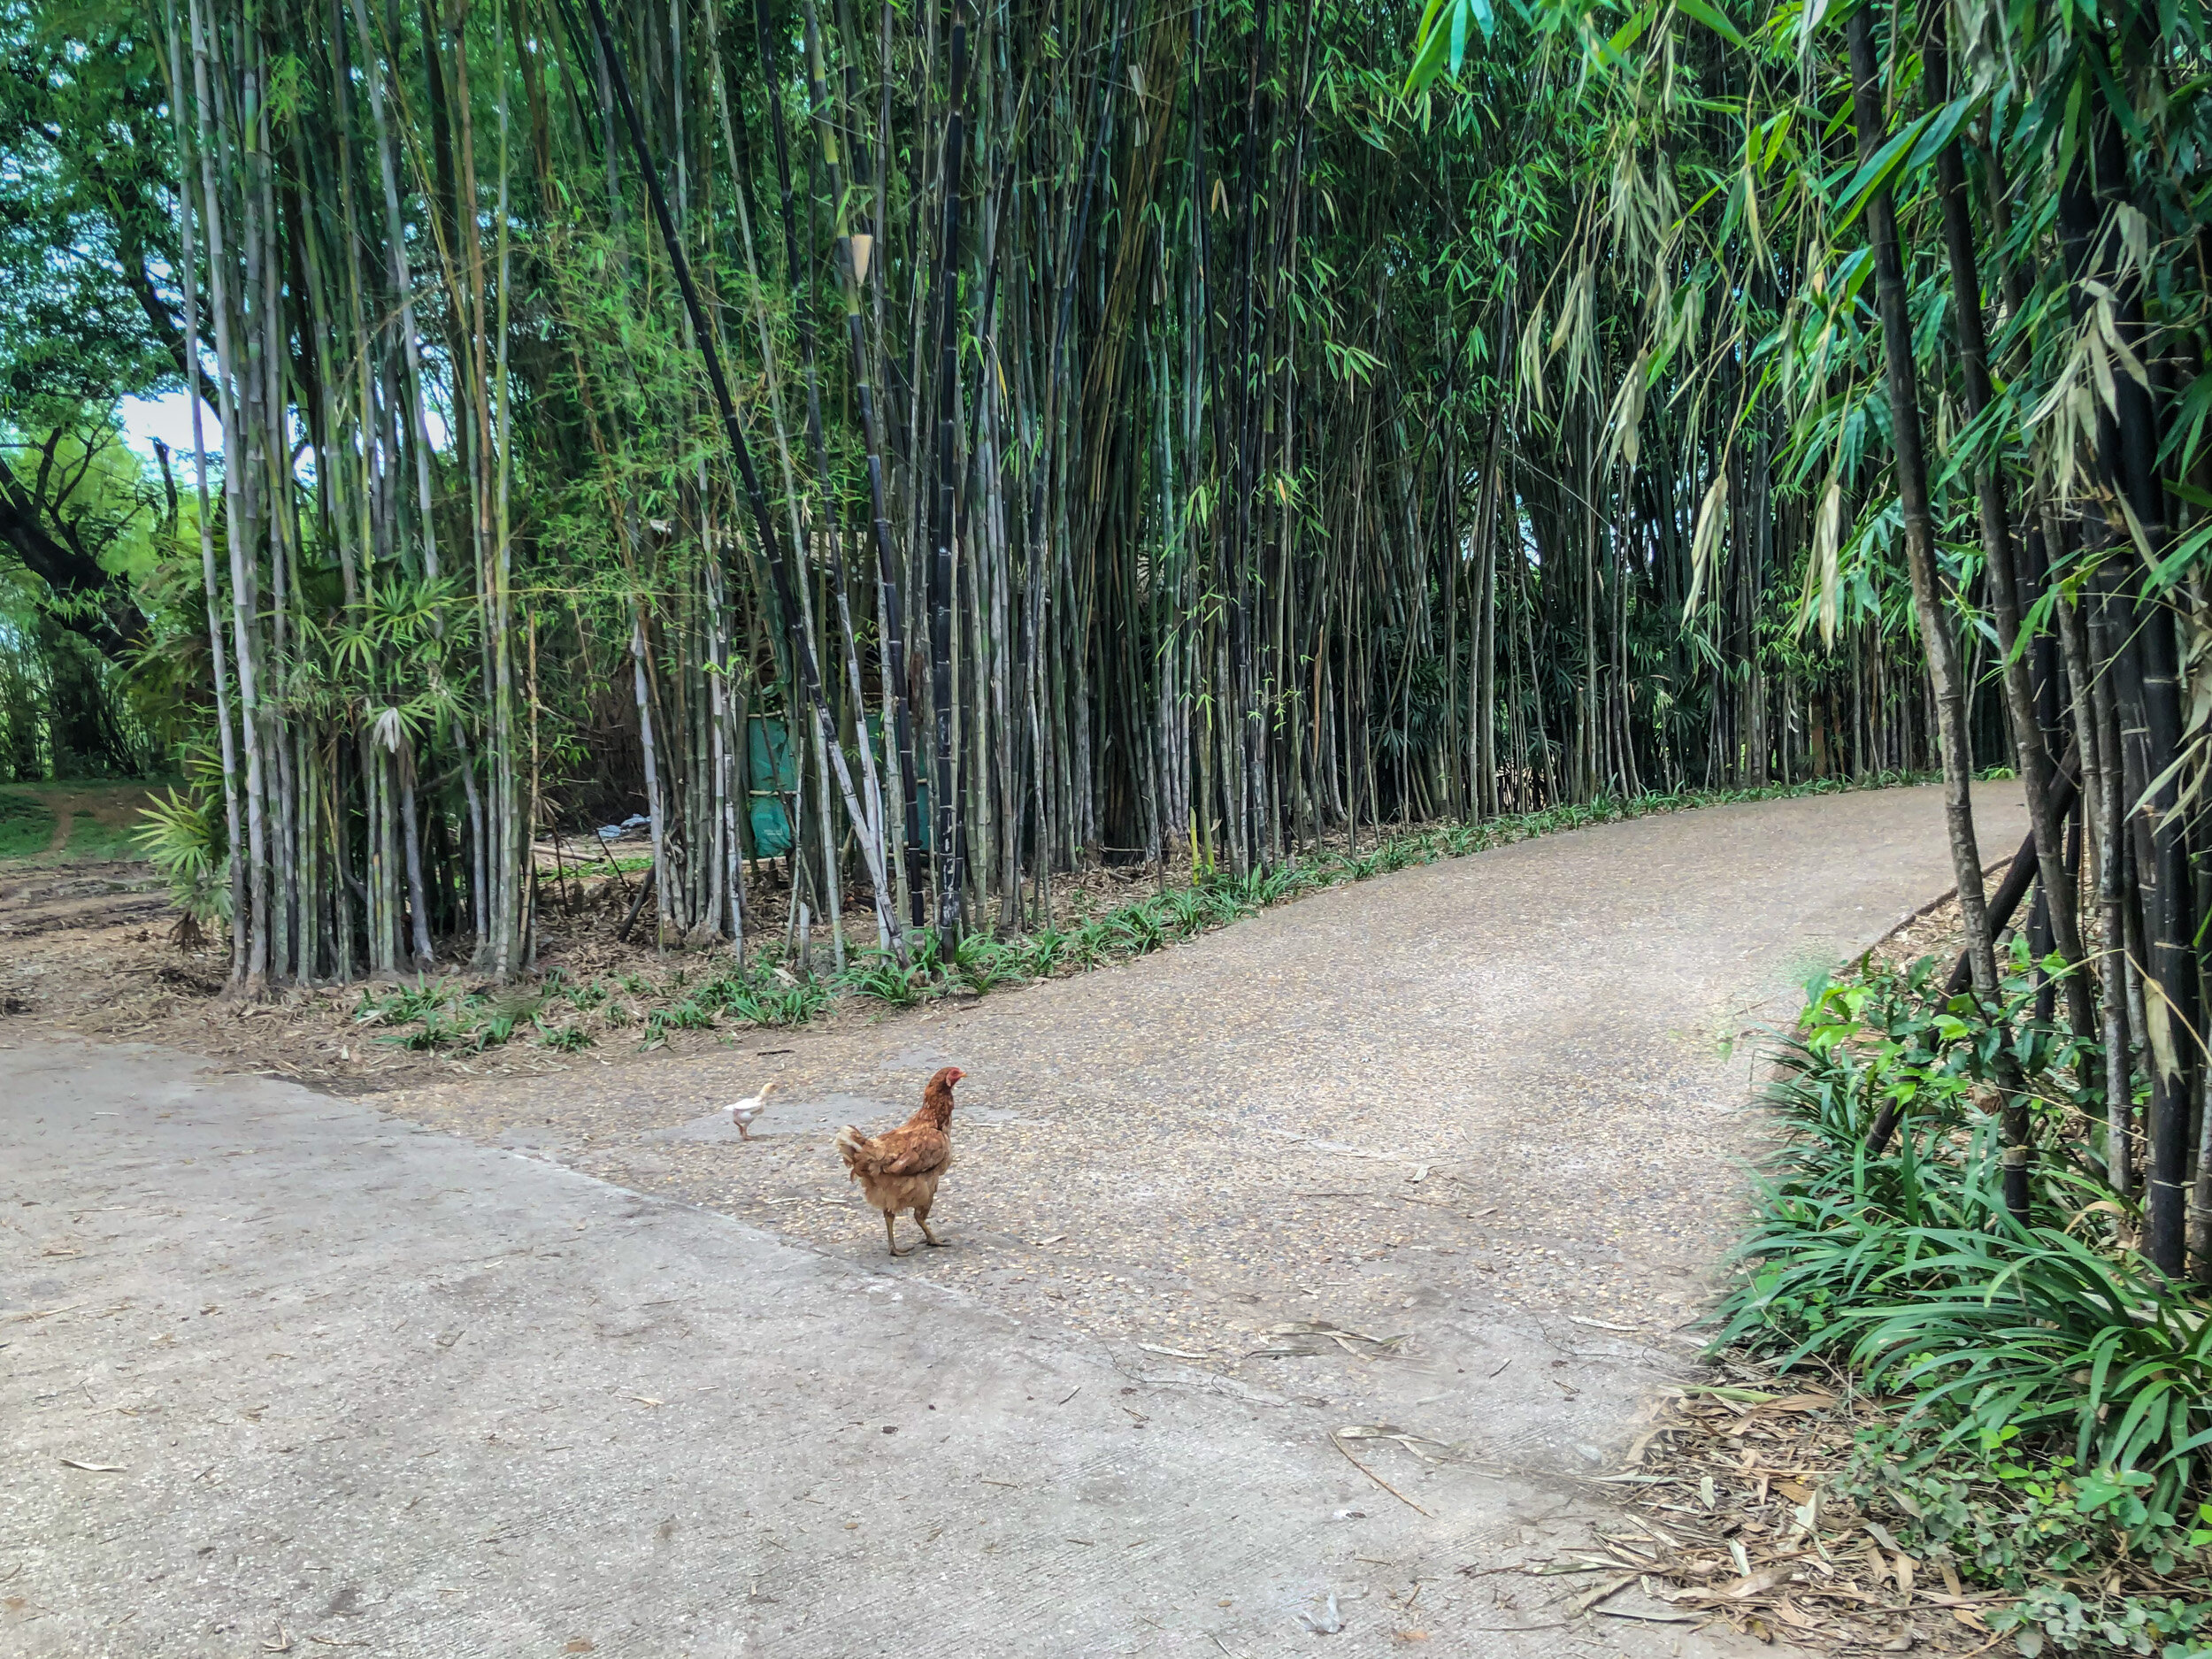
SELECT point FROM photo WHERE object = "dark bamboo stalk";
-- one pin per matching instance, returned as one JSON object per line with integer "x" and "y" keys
{"x": 945, "y": 844}
{"x": 1936, "y": 639}
{"x": 2059, "y": 900}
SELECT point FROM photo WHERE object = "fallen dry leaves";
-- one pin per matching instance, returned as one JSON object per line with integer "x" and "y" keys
{"x": 1734, "y": 1523}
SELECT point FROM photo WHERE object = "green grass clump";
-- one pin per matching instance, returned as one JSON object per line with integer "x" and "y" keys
{"x": 439, "y": 1015}
{"x": 26, "y": 826}
{"x": 90, "y": 838}
{"x": 2056, "y": 1389}
{"x": 564, "y": 1038}
{"x": 981, "y": 961}
{"x": 880, "y": 975}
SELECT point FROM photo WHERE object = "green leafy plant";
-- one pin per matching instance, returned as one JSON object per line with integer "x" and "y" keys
{"x": 980, "y": 962}
{"x": 181, "y": 836}
{"x": 585, "y": 998}
{"x": 436, "y": 1028}
{"x": 2054, "y": 1389}
{"x": 799, "y": 1004}
{"x": 495, "y": 1029}
{"x": 691, "y": 1014}
{"x": 564, "y": 1039}
{"x": 1043, "y": 951}
{"x": 880, "y": 975}
{"x": 2071, "y": 1545}
{"x": 1137, "y": 929}
{"x": 400, "y": 1006}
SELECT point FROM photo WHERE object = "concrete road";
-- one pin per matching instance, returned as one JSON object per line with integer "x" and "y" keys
{"x": 285, "y": 1373}
{"x": 278, "y": 1366}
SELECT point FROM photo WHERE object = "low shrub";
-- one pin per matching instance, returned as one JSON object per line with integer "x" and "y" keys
{"x": 2051, "y": 1391}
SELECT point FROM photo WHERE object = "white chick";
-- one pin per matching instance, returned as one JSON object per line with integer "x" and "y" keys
{"x": 742, "y": 1112}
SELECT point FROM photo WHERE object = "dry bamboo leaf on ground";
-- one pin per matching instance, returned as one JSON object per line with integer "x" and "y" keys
{"x": 1307, "y": 1338}
{"x": 1740, "y": 1478}
{"x": 1405, "y": 1437}
{"x": 1590, "y": 1598}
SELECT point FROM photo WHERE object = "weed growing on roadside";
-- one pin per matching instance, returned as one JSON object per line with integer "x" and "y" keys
{"x": 564, "y": 1039}
{"x": 2053, "y": 1391}
{"x": 879, "y": 974}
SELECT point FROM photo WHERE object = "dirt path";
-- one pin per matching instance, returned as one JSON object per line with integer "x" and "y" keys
{"x": 1497, "y": 1104}
{"x": 365, "y": 1385}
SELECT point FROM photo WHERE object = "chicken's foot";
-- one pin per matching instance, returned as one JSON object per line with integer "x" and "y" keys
{"x": 891, "y": 1236}
{"x": 921, "y": 1220}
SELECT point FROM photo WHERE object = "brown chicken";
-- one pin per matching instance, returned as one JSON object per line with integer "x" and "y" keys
{"x": 898, "y": 1169}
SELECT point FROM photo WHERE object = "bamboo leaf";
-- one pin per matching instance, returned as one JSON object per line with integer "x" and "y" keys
{"x": 1628, "y": 411}
{"x": 1938, "y": 128}
{"x": 1440, "y": 45}
{"x": 1881, "y": 169}
{"x": 1714, "y": 19}
{"x": 1712, "y": 516}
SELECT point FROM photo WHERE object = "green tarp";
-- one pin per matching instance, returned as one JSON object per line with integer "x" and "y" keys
{"x": 771, "y": 775}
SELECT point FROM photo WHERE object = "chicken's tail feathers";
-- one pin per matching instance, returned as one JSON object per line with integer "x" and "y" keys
{"x": 850, "y": 1144}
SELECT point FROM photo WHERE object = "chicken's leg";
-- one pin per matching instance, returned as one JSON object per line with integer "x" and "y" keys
{"x": 891, "y": 1236}
{"x": 921, "y": 1220}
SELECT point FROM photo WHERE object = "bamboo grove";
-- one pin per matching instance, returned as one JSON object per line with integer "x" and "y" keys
{"x": 1059, "y": 435}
